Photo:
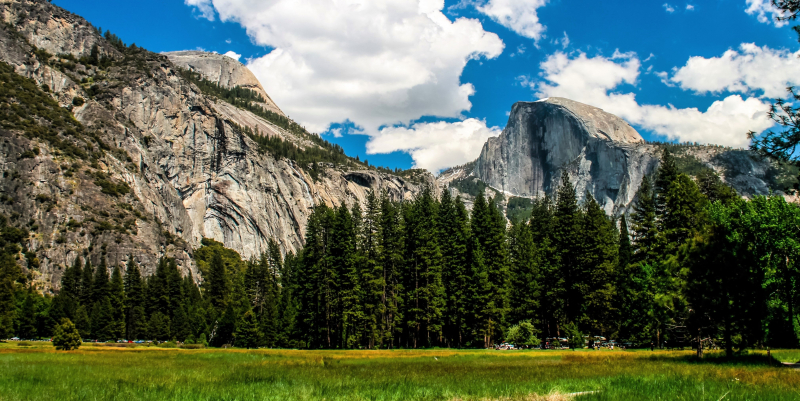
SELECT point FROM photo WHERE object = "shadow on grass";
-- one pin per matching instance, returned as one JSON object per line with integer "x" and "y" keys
{"x": 743, "y": 359}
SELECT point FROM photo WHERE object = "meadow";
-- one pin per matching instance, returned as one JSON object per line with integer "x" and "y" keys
{"x": 148, "y": 373}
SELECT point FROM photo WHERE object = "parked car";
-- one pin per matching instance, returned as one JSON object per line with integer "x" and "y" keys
{"x": 14, "y": 338}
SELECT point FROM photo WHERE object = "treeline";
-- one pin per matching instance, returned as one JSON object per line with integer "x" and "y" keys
{"x": 693, "y": 263}
{"x": 699, "y": 265}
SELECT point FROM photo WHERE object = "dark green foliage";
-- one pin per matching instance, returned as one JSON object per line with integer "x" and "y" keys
{"x": 66, "y": 336}
{"x": 519, "y": 209}
{"x": 247, "y": 333}
{"x": 25, "y": 107}
{"x": 469, "y": 185}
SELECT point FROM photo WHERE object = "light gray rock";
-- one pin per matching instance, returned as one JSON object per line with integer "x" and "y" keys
{"x": 222, "y": 70}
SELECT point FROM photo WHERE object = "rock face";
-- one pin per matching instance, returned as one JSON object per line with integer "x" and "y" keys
{"x": 602, "y": 154}
{"x": 222, "y": 70}
{"x": 192, "y": 171}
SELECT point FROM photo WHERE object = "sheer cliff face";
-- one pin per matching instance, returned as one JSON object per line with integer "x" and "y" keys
{"x": 192, "y": 172}
{"x": 601, "y": 152}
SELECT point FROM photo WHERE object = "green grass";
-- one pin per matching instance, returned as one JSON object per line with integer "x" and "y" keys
{"x": 143, "y": 373}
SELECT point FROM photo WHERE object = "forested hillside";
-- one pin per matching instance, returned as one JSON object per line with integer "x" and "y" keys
{"x": 693, "y": 262}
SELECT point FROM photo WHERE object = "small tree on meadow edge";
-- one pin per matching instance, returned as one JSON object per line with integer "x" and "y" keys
{"x": 66, "y": 336}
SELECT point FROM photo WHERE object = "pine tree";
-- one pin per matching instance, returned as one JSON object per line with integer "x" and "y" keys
{"x": 287, "y": 308}
{"x": 116, "y": 295}
{"x": 454, "y": 239}
{"x": 370, "y": 271}
{"x": 9, "y": 274}
{"x": 135, "y": 319}
{"x": 26, "y": 320}
{"x": 599, "y": 261}
{"x": 566, "y": 232}
{"x": 625, "y": 248}
{"x": 217, "y": 282}
{"x": 102, "y": 319}
{"x": 346, "y": 308}
{"x": 247, "y": 333}
{"x": 82, "y": 321}
{"x": 645, "y": 230}
{"x": 87, "y": 285}
{"x": 390, "y": 246}
{"x": 525, "y": 275}
{"x": 158, "y": 327}
{"x": 100, "y": 282}
{"x": 66, "y": 336}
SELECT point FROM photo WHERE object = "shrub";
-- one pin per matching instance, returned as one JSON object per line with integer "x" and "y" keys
{"x": 66, "y": 336}
{"x": 24, "y": 344}
{"x": 77, "y": 101}
{"x": 192, "y": 346}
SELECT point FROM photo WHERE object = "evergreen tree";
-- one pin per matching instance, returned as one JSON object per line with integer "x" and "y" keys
{"x": 116, "y": 294}
{"x": 158, "y": 327}
{"x": 102, "y": 318}
{"x": 287, "y": 308}
{"x": 566, "y": 231}
{"x": 100, "y": 282}
{"x": 217, "y": 282}
{"x": 87, "y": 285}
{"x": 390, "y": 247}
{"x": 135, "y": 319}
{"x": 247, "y": 333}
{"x": 66, "y": 336}
{"x": 26, "y": 320}
{"x": 599, "y": 261}
{"x": 454, "y": 239}
{"x": 9, "y": 273}
{"x": 645, "y": 230}
{"x": 82, "y": 321}
{"x": 370, "y": 271}
{"x": 625, "y": 248}
{"x": 525, "y": 275}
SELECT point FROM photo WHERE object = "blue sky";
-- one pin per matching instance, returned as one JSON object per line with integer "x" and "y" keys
{"x": 415, "y": 82}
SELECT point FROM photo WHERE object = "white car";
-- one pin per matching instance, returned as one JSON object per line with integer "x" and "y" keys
{"x": 14, "y": 338}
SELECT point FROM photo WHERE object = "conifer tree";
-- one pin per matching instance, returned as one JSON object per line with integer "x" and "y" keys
{"x": 566, "y": 231}
{"x": 625, "y": 248}
{"x": 247, "y": 333}
{"x": 454, "y": 239}
{"x": 390, "y": 247}
{"x": 217, "y": 282}
{"x": 100, "y": 282}
{"x": 134, "y": 301}
{"x": 66, "y": 336}
{"x": 103, "y": 319}
{"x": 645, "y": 230}
{"x": 87, "y": 286}
{"x": 370, "y": 270}
{"x": 287, "y": 308}
{"x": 525, "y": 275}
{"x": 599, "y": 261}
{"x": 116, "y": 294}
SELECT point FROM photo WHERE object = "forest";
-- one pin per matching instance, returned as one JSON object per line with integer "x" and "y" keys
{"x": 692, "y": 263}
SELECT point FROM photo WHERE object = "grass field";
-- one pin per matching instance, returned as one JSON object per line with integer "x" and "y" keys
{"x": 105, "y": 373}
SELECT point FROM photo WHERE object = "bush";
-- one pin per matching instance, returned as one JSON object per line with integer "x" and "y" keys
{"x": 24, "y": 344}
{"x": 523, "y": 334}
{"x": 192, "y": 346}
{"x": 66, "y": 336}
{"x": 77, "y": 101}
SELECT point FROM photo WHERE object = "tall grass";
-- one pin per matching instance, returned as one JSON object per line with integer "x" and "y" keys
{"x": 175, "y": 374}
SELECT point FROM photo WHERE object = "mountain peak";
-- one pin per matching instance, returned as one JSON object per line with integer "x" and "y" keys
{"x": 222, "y": 70}
{"x": 597, "y": 122}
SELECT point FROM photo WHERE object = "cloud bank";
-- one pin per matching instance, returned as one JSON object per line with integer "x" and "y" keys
{"x": 592, "y": 80}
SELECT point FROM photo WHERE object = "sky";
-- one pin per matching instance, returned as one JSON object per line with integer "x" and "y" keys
{"x": 424, "y": 83}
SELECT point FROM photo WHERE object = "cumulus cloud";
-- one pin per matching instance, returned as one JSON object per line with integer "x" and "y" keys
{"x": 435, "y": 146}
{"x": 689, "y": 7}
{"x": 517, "y": 15}
{"x": 233, "y": 55}
{"x": 765, "y": 12}
{"x": 746, "y": 70}
{"x": 204, "y": 6}
{"x": 670, "y": 9}
{"x": 375, "y": 63}
{"x": 592, "y": 80}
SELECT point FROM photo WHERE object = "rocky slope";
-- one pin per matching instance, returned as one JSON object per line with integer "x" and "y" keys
{"x": 602, "y": 154}
{"x": 158, "y": 166}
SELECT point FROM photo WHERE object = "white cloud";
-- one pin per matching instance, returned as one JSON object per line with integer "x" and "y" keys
{"x": 670, "y": 9}
{"x": 375, "y": 63}
{"x": 765, "y": 12}
{"x": 564, "y": 41}
{"x": 593, "y": 81}
{"x": 204, "y": 6}
{"x": 435, "y": 146}
{"x": 747, "y": 70}
{"x": 517, "y": 15}
{"x": 689, "y": 7}
{"x": 233, "y": 55}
